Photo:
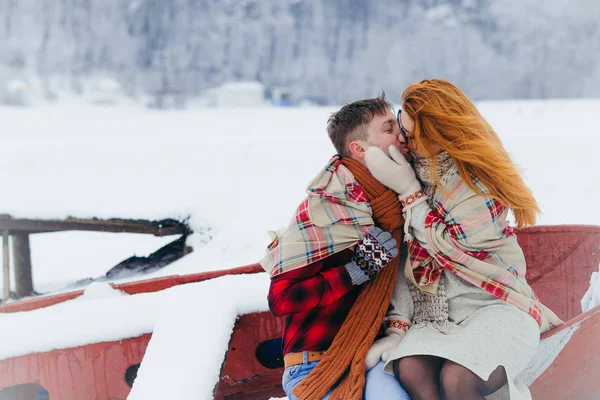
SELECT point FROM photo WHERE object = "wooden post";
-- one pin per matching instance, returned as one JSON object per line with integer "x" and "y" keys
{"x": 5, "y": 267}
{"x": 22, "y": 262}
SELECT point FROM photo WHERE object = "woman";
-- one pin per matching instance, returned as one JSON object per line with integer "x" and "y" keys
{"x": 475, "y": 321}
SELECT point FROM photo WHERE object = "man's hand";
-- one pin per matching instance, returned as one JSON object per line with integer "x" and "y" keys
{"x": 382, "y": 348}
{"x": 395, "y": 173}
{"x": 371, "y": 254}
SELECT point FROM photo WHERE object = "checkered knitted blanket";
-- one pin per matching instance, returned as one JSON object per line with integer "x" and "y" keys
{"x": 334, "y": 216}
{"x": 469, "y": 235}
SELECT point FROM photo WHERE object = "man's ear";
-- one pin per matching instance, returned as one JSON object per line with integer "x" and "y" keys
{"x": 357, "y": 149}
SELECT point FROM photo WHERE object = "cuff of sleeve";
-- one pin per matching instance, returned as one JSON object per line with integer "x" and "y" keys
{"x": 419, "y": 215}
{"x": 414, "y": 222}
{"x": 413, "y": 199}
{"x": 397, "y": 326}
{"x": 357, "y": 275}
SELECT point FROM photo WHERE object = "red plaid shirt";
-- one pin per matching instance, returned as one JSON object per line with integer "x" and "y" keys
{"x": 314, "y": 302}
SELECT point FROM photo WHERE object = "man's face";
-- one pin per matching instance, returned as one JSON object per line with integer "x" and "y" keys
{"x": 383, "y": 131}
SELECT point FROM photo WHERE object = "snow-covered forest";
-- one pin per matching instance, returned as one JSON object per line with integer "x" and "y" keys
{"x": 323, "y": 51}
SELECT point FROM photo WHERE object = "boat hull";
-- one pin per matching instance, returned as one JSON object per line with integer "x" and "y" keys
{"x": 560, "y": 261}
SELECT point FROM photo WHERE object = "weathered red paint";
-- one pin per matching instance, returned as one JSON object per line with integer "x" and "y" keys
{"x": 242, "y": 372}
{"x": 573, "y": 374}
{"x": 560, "y": 261}
{"x": 145, "y": 286}
{"x": 95, "y": 371}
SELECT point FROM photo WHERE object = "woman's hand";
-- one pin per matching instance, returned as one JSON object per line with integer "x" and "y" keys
{"x": 395, "y": 173}
{"x": 382, "y": 348}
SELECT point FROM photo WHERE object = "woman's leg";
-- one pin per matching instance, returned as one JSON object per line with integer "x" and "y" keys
{"x": 380, "y": 385}
{"x": 419, "y": 376}
{"x": 458, "y": 382}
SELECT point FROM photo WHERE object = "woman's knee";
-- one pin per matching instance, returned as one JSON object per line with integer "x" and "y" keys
{"x": 415, "y": 371}
{"x": 457, "y": 381}
{"x": 418, "y": 375}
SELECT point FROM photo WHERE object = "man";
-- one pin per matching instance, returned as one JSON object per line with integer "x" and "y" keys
{"x": 315, "y": 279}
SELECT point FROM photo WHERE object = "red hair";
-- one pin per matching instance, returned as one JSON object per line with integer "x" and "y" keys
{"x": 444, "y": 116}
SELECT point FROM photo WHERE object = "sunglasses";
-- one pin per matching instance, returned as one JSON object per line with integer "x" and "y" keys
{"x": 403, "y": 131}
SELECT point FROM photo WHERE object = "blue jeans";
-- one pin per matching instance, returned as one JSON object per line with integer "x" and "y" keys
{"x": 379, "y": 385}
{"x": 294, "y": 374}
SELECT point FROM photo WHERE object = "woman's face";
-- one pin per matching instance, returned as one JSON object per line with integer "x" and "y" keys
{"x": 409, "y": 125}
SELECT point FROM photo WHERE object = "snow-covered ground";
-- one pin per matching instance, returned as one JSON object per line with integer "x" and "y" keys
{"x": 237, "y": 173}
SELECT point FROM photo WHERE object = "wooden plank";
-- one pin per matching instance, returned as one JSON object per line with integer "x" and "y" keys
{"x": 157, "y": 228}
{"x": 5, "y": 267}
{"x": 22, "y": 264}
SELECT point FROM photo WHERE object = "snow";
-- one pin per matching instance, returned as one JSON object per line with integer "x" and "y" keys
{"x": 101, "y": 290}
{"x": 236, "y": 173}
{"x": 59, "y": 259}
{"x": 591, "y": 298}
{"x": 86, "y": 319}
{"x": 548, "y": 350}
{"x": 203, "y": 337}
{"x": 243, "y": 86}
{"x": 234, "y": 94}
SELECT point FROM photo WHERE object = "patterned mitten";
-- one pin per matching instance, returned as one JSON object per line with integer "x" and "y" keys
{"x": 371, "y": 254}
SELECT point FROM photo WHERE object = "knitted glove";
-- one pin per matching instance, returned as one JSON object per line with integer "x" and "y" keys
{"x": 382, "y": 348}
{"x": 395, "y": 173}
{"x": 371, "y": 254}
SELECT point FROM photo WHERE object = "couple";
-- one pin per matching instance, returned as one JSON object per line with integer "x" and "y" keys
{"x": 399, "y": 276}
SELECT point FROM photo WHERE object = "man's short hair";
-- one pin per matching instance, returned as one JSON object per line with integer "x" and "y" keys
{"x": 350, "y": 122}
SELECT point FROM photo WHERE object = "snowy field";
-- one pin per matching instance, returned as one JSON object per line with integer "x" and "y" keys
{"x": 236, "y": 173}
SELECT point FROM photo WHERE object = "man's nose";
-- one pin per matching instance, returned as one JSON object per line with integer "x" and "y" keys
{"x": 401, "y": 139}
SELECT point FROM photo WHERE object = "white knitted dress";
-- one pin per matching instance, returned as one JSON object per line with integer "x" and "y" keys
{"x": 465, "y": 324}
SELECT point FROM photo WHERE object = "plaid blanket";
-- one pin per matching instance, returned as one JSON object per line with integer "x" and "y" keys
{"x": 334, "y": 216}
{"x": 469, "y": 235}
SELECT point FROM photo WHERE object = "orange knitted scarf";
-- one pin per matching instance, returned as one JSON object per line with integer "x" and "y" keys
{"x": 344, "y": 361}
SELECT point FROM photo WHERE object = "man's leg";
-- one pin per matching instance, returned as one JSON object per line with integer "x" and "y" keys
{"x": 380, "y": 385}
{"x": 458, "y": 382}
{"x": 293, "y": 375}
{"x": 419, "y": 376}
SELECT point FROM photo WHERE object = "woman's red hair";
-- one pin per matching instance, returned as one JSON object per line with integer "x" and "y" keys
{"x": 446, "y": 117}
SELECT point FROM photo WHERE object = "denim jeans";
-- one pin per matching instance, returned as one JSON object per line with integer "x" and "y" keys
{"x": 379, "y": 385}
{"x": 294, "y": 374}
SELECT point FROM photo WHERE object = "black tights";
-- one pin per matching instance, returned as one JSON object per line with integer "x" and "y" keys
{"x": 432, "y": 378}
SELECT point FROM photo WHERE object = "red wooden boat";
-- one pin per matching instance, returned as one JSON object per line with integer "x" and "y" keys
{"x": 560, "y": 262}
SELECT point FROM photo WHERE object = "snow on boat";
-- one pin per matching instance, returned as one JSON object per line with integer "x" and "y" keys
{"x": 560, "y": 261}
